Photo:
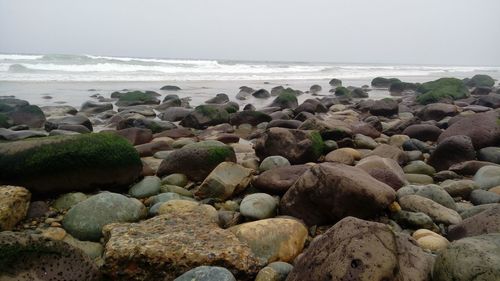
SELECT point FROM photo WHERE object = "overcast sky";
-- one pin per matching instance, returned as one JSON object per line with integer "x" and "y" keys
{"x": 455, "y": 32}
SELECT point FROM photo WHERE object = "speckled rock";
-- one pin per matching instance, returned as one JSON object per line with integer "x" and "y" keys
{"x": 207, "y": 273}
{"x": 468, "y": 259}
{"x": 226, "y": 179}
{"x": 25, "y": 257}
{"x": 86, "y": 219}
{"x": 437, "y": 212}
{"x": 168, "y": 245}
{"x": 14, "y": 204}
{"x": 276, "y": 239}
{"x": 354, "y": 249}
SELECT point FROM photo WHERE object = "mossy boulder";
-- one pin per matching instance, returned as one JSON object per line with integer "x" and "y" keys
{"x": 136, "y": 98}
{"x": 381, "y": 82}
{"x": 204, "y": 116}
{"x": 286, "y": 99}
{"x": 34, "y": 257}
{"x": 443, "y": 88}
{"x": 196, "y": 160}
{"x": 69, "y": 163}
{"x": 479, "y": 80}
{"x": 5, "y": 121}
{"x": 342, "y": 92}
{"x": 253, "y": 118}
{"x": 335, "y": 82}
{"x": 399, "y": 87}
{"x": 298, "y": 146}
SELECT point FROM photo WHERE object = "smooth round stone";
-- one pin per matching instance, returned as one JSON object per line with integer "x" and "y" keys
{"x": 182, "y": 142}
{"x": 147, "y": 187}
{"x": 430, "y": 240}
{"x": 489, "y": 154}
{"x": 419, "y": 179}
{"x": 438, "y": 195}
{"x": 276, "y": 271}
{"x": 415, "y": 155}
{"x": 414, "y": 220}
{"x": 68, "y": 200}
{"x": 93, "y": 249}
{"x": 330, "y": 145}
{"x": 398, "y": 140}
{"x": 272, "y": 162}
{"x": 175, "y": 179}
{"x": 176, "y": 189}
{"x": 362, "y": 141}
{"x": 207, "y": 273}
{"x": 487, "y": 177}
{"x": 340, "y": 155}
{"x": 481, "y": 197}
{"x": 258, "y": 206}
{"x": 460, "y": 188}
{"x": 419, "y": 167}
{"x": 162, "y": 154}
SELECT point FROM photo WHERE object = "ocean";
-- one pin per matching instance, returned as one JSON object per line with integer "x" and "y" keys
{"x": 72, "y": 79}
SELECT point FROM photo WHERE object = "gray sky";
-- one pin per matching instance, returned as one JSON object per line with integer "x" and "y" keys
{"x": 456, "y": 32}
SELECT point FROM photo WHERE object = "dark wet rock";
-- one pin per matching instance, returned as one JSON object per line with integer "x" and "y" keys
{"x": 468, "y": 167}
{"x": 384, "y": 107}
{"x": 92, "y": 107}
{"x": 297, "y": 146}
{"x": 54, "y": 123}
{"x": 218, "y": 99}
{"x": 149, "y": 149}
{"x": 481, "y": 197}
{"x": 249, "y": 107}
{"x": 315, "y": 89}
{"x": 489, "y": 154}
{"x": 204, "y": 116}
{"x": 480, "y": 80}
{"x": 286, "y": 99}
{"x": 312, "y": 106}
{"x": 248, "y": 117}
{"x": 174, "y": 114}
{"x": 329, "y": 192}
{"x": 452, "y": 150}
{"x": 481, "y": 91}
{"x": 156, "y": 126}
{"x": 175, "y": 133}
{"x": 342, "y": 92}
{"x": 359, "y": 93}
{"x": 277, "y": 90}
{"x": 278, "y": 180}
{"x": 135, "y": 136}
{"x": 69, "y": 163}
{"x": 170, "y": 88}
{"x": 136, "y": 98}
{"x": 261, "y": 94}
{"x": 196, "y": 160}
{"x": 290, "y": 124}
{"x": 37, "y": 209}
{"x": 492, "y": 100}
{"x": 472, "y": 258}
{"x": 482, "y": 128}
{"x": 73, "y": 128}
{"x": 335, "y": 82}
{"x": 30, "y": 115}
{"x": 423, "y": 132}
{"x": 381, "y": 82}
{"x": 144, "y": 110}
{"x": 355, "y": 249}
{"x": 26, "y": 257}
{"x": 329, "y": 130}
{"x": 399, "y": 88}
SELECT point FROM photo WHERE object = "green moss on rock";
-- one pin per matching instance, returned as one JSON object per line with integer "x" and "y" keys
{"x": 383, "y": 82}
{"x": 317, "y": 143}
{"x": 431, "y": 92}
{"x": 286, "y": 99}
{"x": 342, "y": 92}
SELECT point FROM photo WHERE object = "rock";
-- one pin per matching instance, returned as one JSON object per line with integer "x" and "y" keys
{"x": 14, "y": 204}
{"x": 414, "y": 220}
{"x": 391, "y": 152}
{"x": 207, "y": 273}
{"x": 423, "y": 132}
{"x": 482, "y": 128}
{"x": 443, "y": 88}
{"x": 68, "y": 200}
{"x": 383, "y": 169}
{"x": 218, "y": 99}
{"x": 226, "y": 179}
{"x": 480, "y": 80}
{"x": 136, "y": 98}
{"x": 315, "y": 89}
{"x": 487, "y": 177}
{"x": 437, "y": 194}
{"x": 54, "y": 233}
{"x": 92, "y": 107}
{"x": 149, "y": 149}
{"x": 419, "y": 179}
{"x": 174, "y": 114}
{"x": 430, "y": 240}
{"x": 6, "y": 134}
{"x": 419, "y": 167}
{"x": 362, "y": 141}
{"x": 437, "y": 212}
{"x": 297, "y": 146}
{"x": 273, "y": 162}
{"x": 398, "y": 88}
{"x": 489, "y": 154}
{"x": 136, "y": 136}
{"x": 33, "y": 257}
{"x": 55, "y": 123}
{"x": 480, "y": 197}
{"x": 258, "y": 206}
{"x": 359, "y": 93}
{"x": 342, "y": 92}
{"x": 58, "y": 110}
{"x": 329, "y": 192}
{"x": 196, "y": 160}
{"x": 437, "y": 111}
{"x": 381, "y": 82}
{"x": 469, "y": 167}
{"x": 30, "y": 115}
{"x": 86, "y": 219}
{"x": 175, "y": 179}
{"x": 170, "y": 88}
{"x": 147, "y": 187}
{"x": 485, "y": 222}
{"x": 261, "y": 94}
{"x": 170, "y": 244}
{"x": 311, "y": 106}
{"x": 286, "y": 99}
{"x": 156, "y": 126}
{"x": 69, "y": 163}
{"x": 277, "y": 239}
{"x": 340, "y": 156}
{"x": 460, "y": 188}
{"x": 452, "y": 150}
{"x": 253, "y": 118}
{"x": 278, "y": 180}
{"x": 204, "y": 116}
{"x": 276, "y": 271}
{"x": 473, "y": 258}
{"x": 384, "y": 107}
{"x": 37, "y": 209}
{"x": 354, "y": 249}
{"x": 335, "y": 82}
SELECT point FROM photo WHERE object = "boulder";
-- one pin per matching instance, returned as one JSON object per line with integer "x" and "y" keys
{"x": 92, "y": 107}
{"x": 286, "y": 99}
{"x": 55, "y": 123}
{"x": 170, "y": 88}
{"x": 69, "y": 163}
{"x": 443, "y": 88}
{"x": 253, "y": 118}
{"x": 485, "y": 222}
{"x": 437, "y": 111}
{"x": 452, "y": 150}
{"x": 174, "y": 114}
{"x": 218, "y": 99}
{"x": 354, "y": 249}
{"x": 136, "y": 136}
{"x": 423, "y": 132}
{"x": 487, "y": 177}
{"x": 278, "y": 180}
{"x": 473, "y": 258}
{"x": 30, "y": 115}
{"x": 271, "y": 162}
{"x": 226, "y": 179}
{"x": 298, "y": 146}
{"x": 391, "y": 152}
{"x": 384, "y": 170}
{"x": 489, "y": 154}
{"x": 328, "y": 192}
{"x": 14, "y": 204}
{"x": 480, "y": 80}
{"x": 86, "y": 219}
{"x": 204, "y": 116}
{"x": 384, "y": 107}
{"x": 196, "y": 160}
{"x": 261, "y": 94}
{"x": 136, "y": 98}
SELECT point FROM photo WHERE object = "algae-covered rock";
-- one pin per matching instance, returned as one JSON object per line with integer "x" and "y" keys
{"x": 381, "y": 82}
{"x": 204, "y": 116}
{"x": 443, "y": 88}
{"x": 136, "y": 98}
{"x": 69, "y": 163}
{"x": 286, "y": 99}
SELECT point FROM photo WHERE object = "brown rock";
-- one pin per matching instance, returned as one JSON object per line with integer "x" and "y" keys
{"x": 450, "y": 151}
{"x": 175, "y": 133}
{"x": 136, "y": 136}
{"x": 278, "y": 180}
{"x": 423, "y": 132}
{"x": 14, "y": 204}
{"x": 485, "y": 222}
{"x": 392, "y": 152}
{"x": 384, "y": 169}
{"x": 148, "y": 149}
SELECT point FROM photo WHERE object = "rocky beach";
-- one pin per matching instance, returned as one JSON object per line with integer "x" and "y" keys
{"x": 392, "y": 180}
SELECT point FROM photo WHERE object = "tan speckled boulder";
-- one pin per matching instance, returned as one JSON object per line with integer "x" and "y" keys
{"x": 14, "y": 204}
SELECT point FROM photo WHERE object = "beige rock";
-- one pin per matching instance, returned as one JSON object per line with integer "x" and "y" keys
{"x": 430, "y": 240}
{"x": 495, "y": 189}
{"x": 14, "y": 204}
{"x": 226, "y": 179}
{"x": 54, "y": 233}
{"x": 340, "y": 156}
